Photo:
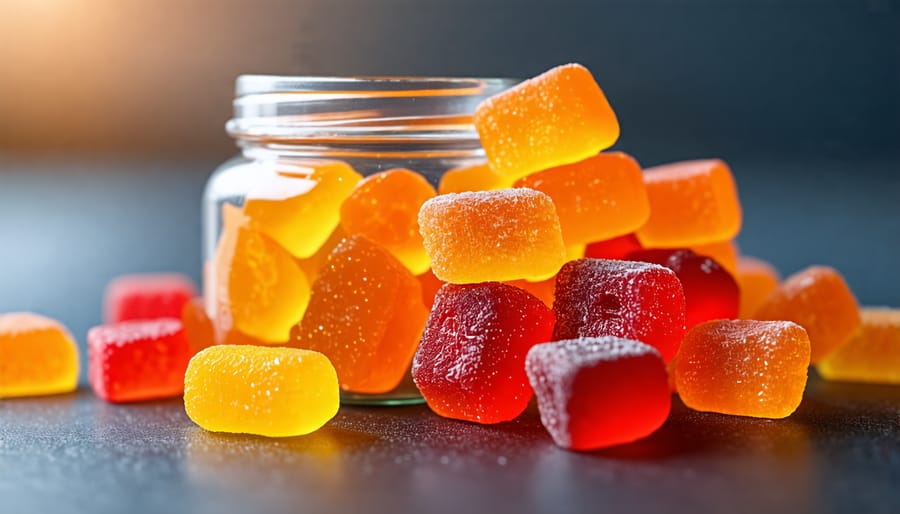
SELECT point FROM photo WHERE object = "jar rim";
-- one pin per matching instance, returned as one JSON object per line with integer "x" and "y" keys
{"x": 251, "y": 84}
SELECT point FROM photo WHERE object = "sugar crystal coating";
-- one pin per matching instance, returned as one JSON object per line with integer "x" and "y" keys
{"x": 743, "y": 367}
{"x": 37, "y": 356}
{"x": 872, "y": 354}
{"x": 599, "y": 391}
{"x": 501, "y": 235}
{"x": 147, "y": 296}
{"x": 274, "y": 392}
{"x": 634, "y": 300}
{"x": 471, "y": 362}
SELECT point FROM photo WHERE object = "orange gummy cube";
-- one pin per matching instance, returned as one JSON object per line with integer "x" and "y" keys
{"x": 478, "y": 177}
{"x": 691, "y": 203}
{"x": 366, "y": 315}
{"x": 819, "y": 300}
{"x": 743, "y": 367}
{"x": 558, "y": 117}
{"x": 872, "y": 354}
{"x": 198, "y": 328}
{"x": 599, "y": 198}
{"x": 259, "y": 291}
{"x": 430, "y": 286}
{"x": 724, "y": 252}
{"x": 756, "y": 279}
{"x": 501, "y": 235}
{"x": 384, "y": 209}
{"x": 315, "y": 262}
{"x": 37, "y": 356}
{"x": 300, "y": 208}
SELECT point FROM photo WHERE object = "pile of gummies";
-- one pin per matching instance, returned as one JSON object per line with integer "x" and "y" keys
{"x": 552, "y": 270}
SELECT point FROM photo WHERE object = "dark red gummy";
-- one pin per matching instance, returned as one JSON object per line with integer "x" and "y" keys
{"x": 471, "y": 362}
{"x": 138, "y": 360}
{"x": 616, "y": 248}
{"x": 147, "y": 296}
{"x": 710, "y": 292}
{"x": 634, "y": 300}
{"x": 598, "y": 392}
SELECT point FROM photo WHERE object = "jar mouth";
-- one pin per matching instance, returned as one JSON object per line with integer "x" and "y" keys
{"x": 285, "y": 110}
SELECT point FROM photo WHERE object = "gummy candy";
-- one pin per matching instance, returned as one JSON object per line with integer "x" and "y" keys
{"x": 500, "y": 235}
{"x": 745, "y": 368}
{"x": 300, "y": 208}
{"x": 198, "y": 328}
{"x": 598, "y": 198}
{"x": 471, "y": 362}
{"x": 259, "y": 291}
{"x": 478, "y": 177}
{"x": 691, "y": 203}
{"x": 633, "y": 300}
{"x": 819, "y": 300}
{"x": 599, "y": 391}
{"x": 558, "y": 117}
{"x": 384, "y": 209}
{"x": 315, "y": 262}
{"x": 274, "y": 392}
{"x": 366, "y": 314}
{"x": 138, "y": 360}
{"x": 430, "y": 286}
{"x": 147, "y": 296}
{"x": 37, "y": 356}
{"x": 543, "y": 290}
{"x": 616, "y": 248}
{"x": 710, "y": 292}
{"x": 725, "y": 253}
{"x": 756, "y": 279}
{"x": 872, "y": 354}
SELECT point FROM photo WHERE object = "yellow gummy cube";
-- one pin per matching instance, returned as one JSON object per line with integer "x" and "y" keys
{"x": 872, "y": 354}
{"x": 37, "y": 356}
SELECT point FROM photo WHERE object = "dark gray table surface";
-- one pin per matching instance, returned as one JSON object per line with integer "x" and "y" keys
{"x": 67, "y": 226}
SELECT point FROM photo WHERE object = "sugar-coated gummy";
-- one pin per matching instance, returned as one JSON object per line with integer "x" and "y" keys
{"x": 37, "y": 356}
{"x": 691, "y": 203}
{"x": 198, "y": 328}
{"x": 501, "y": 235}
{"x": 818, "y": 299}
{"x": 138, "y": 360}
{"x": 743, "y": 367}
{"x": 299, "y": 207}
{"x": 599, "y": 391}
{"x": 725, "y": 253}
{"x": 633, "y": 300}
{"x": 146, "y": 296}
{"x": 476, "y": 177}
{"x": 470, "y": 364}
{"x": 366, "y": 314}
{"x": 558, "y": 117}
{"x": 872, "y": 354}
{"x": 384, "y": 208}
{"x": 756, "y": 279}
{"x": 269, "y": 391}
{"x": 598, "y": 198}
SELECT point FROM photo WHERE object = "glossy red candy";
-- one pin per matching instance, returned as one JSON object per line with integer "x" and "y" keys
{"x": 147, "y": 296}
{"x": 596, "y": 392}
{"x": 616, "y": 248}
{"x": 471, "y": 362}
{"x": 710, "y": 292}
{"x": 138, "y": 360}
{"x": 634, "y": 300}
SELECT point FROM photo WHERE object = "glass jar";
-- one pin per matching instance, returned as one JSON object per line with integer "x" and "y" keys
{"x": 286, "y": 124}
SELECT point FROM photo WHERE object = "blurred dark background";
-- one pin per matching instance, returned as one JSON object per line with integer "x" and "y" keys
{"x": 113, "y": 113}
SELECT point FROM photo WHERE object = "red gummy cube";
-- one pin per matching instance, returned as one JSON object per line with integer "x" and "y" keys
{"x": 634, "y": 300}
{"x": 471, "y": 362}
{"x": 147, "y": 296}
{"x": 710, "y": 292}
{"x": 138, "y": 360}
{"x": 599, "y": 391}
{"x": 616, "y": 248}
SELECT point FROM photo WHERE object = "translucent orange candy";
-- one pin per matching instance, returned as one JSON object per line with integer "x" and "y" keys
{"x": 478, "y": 177}
{"x": 430, "y": 286}
{"x": 198, "y": 328}
{"x": 366, "y": 315}
{"x": 598, "y": 198}
{"x": 501, "y": 235}
{"x": 872, "y": 354}
{"x": 259, "y": 291}
{"x": 299, "y": 207}
{"x": 37, "y": 356}
{"x": 756, "y": 279}
{"x": 384, "y": 209}
{"x": 315, "y": 262}
{"x": 558, "y": 117}
{"x": 744, "y": 368}
{"x": 691, "y": 203}
{"x": 543, "y": 290}
{"x": 819, "y": 300}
